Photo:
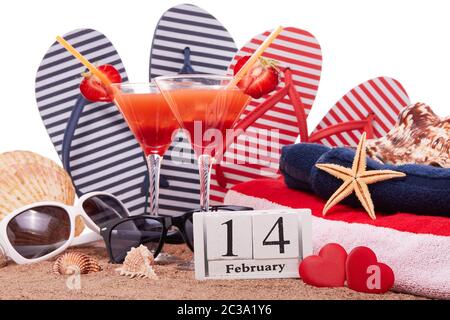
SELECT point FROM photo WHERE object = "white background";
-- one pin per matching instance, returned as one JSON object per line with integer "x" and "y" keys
{"x": 361, "y": 39}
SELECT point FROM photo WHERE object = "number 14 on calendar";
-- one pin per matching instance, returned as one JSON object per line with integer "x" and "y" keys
{"x": 251, "y": 244}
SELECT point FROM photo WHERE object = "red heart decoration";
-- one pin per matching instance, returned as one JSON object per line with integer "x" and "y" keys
{"x": 327, "y": 269}
{"x": 366, "y": 274}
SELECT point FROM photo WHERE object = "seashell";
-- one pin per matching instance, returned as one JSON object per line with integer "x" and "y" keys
{"x": 3, "y": 258}
{"x": 26, "y": 177}
{"x": 75, "y": 262}
{"x": 419, "y": 136}
{"x": 138, "y": 263}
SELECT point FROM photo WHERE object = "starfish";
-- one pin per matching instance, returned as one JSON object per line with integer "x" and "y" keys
{"x": 356, "y": 180}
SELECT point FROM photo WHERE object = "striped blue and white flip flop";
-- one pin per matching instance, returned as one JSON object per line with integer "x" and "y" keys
{"x": 92, "y": 139}
{"x": 187, "y": 40}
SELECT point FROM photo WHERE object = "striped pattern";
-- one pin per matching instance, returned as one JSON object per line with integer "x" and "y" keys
{"x": 301, "y": 52}
{"x": 212, "y": 49}
{"x": 104, "y": 154}
{"x": 416, "y": 251}
{"x": 383, "y": 96}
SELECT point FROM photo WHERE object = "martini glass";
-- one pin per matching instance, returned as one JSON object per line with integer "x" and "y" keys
{"x": 206, "y": 106}
{"x": 153, "y": 123}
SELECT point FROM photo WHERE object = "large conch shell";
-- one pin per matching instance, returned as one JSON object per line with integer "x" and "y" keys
{"x": 26, "y": 177}
{"x": 138, "y": 263}
{"x": 419, "y": 137}
{"x": 75, "y": 263}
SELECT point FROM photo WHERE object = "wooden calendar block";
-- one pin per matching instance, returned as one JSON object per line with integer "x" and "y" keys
{"x": 251, "y": 244}
{"x": 275, "y": 235}
{"x": 228, "y": 236}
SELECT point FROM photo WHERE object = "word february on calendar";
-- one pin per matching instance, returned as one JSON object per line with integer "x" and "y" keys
{"x": 251, "y": 244}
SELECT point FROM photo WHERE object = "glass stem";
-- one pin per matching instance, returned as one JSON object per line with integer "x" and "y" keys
{"x": 204, "y": 169}
{"x": 154, "y": 167}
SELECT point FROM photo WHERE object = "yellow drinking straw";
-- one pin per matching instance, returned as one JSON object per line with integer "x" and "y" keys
{"x": 255, "y": 56}
{"x": 104, "y": 79}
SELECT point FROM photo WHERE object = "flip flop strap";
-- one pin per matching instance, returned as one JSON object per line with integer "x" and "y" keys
{"x": 187, "y": 67}
{"x": 261, "y": 110}
{"x": 243, "y": 124}
{"x": 299, "y": 108}
{"x": 365, "y": 125}
{"x": 288, "y": 89}
{"x": 72, "y": 125}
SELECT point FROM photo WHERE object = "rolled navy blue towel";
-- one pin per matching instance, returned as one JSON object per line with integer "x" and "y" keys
{"x": 424, "y": 190}
{"x": 296, "y": 162}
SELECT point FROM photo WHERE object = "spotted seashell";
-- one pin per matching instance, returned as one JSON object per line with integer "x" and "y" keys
{"x": 138, "y": 263}
{"x": 419, "y": 137}
{"x": 75, "y": 262}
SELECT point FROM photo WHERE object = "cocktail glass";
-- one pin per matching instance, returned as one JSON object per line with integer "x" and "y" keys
{"x": 206, "y": 106}
{"x": 153, "y": 123}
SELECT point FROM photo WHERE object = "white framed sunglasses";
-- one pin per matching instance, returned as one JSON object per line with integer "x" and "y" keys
{"x": 42, "y": 230}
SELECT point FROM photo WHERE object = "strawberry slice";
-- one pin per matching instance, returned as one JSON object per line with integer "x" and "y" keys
{"x": 262, "y": 78}
{"x": 240, "y": 63}
{"x": 93, "y": 89}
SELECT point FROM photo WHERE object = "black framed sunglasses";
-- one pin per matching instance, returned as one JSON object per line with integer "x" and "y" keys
{"x": 127, "y": 232}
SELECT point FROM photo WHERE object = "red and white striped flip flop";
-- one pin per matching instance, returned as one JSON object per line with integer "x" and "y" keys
{"x": 276, "y": 119}
{"x": 373, "y": 107}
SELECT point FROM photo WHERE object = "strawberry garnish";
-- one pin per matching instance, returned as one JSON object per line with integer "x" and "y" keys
{"x": 240, "y": 63}
{"x": 261, "y": 79}
{"x": 94, "y": 90}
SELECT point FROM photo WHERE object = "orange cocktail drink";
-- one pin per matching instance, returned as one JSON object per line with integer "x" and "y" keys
{"x": 207, "y": 114}
{"x": 206, "y": 106}
{"x": 153, "y": 124}
{"x": 150, "y": 119}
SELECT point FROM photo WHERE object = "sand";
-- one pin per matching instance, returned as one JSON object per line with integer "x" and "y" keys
{"x": 38, "y": 282}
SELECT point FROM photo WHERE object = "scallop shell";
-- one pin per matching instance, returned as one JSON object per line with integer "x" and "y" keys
{"x": 75, "y": 262}
{"x": 138, "y": 263}
{"x": 26, "y": 177}
{"x": 3, "y": 258}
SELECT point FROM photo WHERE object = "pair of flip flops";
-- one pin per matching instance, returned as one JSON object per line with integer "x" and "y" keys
{"x": 100, "y": 153}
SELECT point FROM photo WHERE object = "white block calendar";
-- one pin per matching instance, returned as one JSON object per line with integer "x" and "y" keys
{"x": 251, "y": 244}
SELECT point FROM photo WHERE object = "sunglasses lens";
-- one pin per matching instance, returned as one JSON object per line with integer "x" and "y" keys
{"x": 132, "y": 233}
{"x": 39, "y": 231}
{"x": 102, "y": 209}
